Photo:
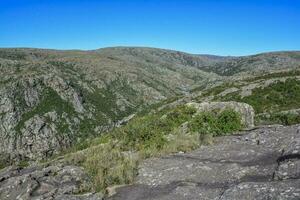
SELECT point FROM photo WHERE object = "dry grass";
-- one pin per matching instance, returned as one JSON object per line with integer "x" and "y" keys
{"x": 107, "y": 165}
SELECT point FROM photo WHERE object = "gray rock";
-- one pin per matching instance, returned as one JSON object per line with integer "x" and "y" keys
{"x": 39, "y": 139}
{"x": 65, "y": 91}
{"x": 244, "y": 166}
{"x": 55, "y": 182}
{"x": 289, "y": 162}
{"x": 125, "y": 120}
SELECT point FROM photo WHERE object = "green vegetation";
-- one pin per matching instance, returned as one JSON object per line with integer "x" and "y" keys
{"x": 107, "y": 165}
{"x": 13, "y": 54}
{"x": 279, "y": 118}
{"x": 51, "y": 102}
{"x": 218, "y": 89}
{"x": 275, "y": 75}
{"x": 4, "y": 160}
{"x": 278, "y": 96}
{"x": 275, "y": 97}
{"x": 216, "y": 123}
{"x": 112, "y": 159}
{"x": 23, "y": 164}
{"x": 148, "y": 134}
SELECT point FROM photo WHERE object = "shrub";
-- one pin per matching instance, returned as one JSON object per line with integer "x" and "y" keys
{"x": 204, "y": 123}
{"x": 229, "y": 121}
{"x": 216, "y": 123}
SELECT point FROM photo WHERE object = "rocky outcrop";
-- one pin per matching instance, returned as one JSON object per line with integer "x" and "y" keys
{"x": 124, "y": 121}
{"x": 65, "y": 91}
{"x": 262, "y": 163}
{"x": 39, "y": 139}
{"x": 54, "y": 182}
{"x": 36, "y": 117}
{"x": 246, "y": 111}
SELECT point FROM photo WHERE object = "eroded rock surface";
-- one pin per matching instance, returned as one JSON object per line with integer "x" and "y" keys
{"x": 55, "y": 182}
{"x": 259, "y": 164}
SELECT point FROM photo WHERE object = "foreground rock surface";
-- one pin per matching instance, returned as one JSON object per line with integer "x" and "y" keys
{"x": 263, "y": 163}
{"x": 55, "y": 182}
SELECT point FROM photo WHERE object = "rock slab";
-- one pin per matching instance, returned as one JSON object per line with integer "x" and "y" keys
{"x": 54, "y": 182}
{"x": 262, "y": 163}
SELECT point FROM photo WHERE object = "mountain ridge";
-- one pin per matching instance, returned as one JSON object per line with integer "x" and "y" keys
{"x": 146, "y": 47}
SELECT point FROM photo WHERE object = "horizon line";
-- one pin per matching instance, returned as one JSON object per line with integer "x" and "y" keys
{"x": 146, "y": 47}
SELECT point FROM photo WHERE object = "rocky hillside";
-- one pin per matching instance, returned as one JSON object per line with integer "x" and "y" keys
{"x": 81, "y": 124}
{"x": 255, "y": 64}
{"x": 50, "y": 100}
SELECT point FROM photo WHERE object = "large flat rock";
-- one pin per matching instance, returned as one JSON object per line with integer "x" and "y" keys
{"x": 262, "y": 163}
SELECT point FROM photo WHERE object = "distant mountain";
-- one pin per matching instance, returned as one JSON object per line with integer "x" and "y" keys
{"x": 256, "y": 63}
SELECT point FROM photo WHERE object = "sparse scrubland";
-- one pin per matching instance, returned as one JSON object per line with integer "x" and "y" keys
{"x": 113, "y": 158}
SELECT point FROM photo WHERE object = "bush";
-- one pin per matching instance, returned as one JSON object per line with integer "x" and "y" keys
{"x": 229, "y": 121}
{"x": 216, "y": 123}
{"x": 204, "y": 123}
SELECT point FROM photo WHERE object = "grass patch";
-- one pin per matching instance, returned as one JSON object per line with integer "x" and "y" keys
{"x": 107, "y": 165}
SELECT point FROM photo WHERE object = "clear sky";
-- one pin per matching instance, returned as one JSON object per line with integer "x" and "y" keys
{"x": 223, "y": 27}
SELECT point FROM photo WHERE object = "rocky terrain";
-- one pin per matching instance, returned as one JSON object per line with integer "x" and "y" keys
{"x": 50, "y": 100}
{"x": 262, "y": 163}
{"x": 74, "y": 123}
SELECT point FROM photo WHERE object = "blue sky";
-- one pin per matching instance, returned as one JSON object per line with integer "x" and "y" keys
{"x": 222, "y": 27}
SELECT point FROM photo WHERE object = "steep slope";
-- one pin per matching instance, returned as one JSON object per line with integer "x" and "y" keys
{"x": 52, "y": 99}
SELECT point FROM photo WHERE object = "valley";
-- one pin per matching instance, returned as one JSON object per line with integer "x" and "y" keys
{"x": 96, "y": 121}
